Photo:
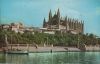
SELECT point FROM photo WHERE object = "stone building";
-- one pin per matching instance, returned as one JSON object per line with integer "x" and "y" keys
{"x": 17, "y": 27}
{"x": 4, "y": 26}
{"x": 55, "y": 22}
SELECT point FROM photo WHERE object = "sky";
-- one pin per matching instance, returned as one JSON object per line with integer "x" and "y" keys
{"x": 32, "y": 12}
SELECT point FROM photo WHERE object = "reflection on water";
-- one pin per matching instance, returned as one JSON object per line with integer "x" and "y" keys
{"x": 52, "y": 58}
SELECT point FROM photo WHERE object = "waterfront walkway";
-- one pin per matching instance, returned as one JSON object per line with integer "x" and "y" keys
{"x": 44, "y": 49}
{"x": 52, "y": 49}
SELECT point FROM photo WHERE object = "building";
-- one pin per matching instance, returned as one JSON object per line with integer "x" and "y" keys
{"x": 4, "y": 27}
{"x": 55, "y": 22}
{"x": 17, "y": 27}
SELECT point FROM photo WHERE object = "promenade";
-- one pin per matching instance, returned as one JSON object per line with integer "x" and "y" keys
{"x": 51, "y": 49}
{"x": 44, "y": 49}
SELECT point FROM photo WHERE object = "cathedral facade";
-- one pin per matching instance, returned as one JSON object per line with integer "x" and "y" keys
{"x": 55, "y": 22}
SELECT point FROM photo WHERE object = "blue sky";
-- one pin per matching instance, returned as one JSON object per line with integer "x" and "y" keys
{"x": 32, "y": 12}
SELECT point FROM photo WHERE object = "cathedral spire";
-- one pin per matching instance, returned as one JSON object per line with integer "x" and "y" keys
{"x": 44, "y": 23}
{"x": 66, "y": 18}
{"x": 66, "y": 23}
{"x": 50, "y": 15}
{"x": 58, "y": 13}
{"x": 44, "y": 20}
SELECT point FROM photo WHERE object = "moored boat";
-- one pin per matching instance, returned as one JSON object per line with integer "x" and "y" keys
{"x": 17, "y": 52}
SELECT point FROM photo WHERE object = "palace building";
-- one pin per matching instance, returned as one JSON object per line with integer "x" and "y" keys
{"x": 55, "y": 22}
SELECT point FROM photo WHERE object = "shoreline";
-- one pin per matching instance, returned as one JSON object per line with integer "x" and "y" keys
{"x": 56, "y": 49}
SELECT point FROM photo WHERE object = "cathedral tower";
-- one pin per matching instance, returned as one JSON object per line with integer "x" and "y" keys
{"x": 68, "y": 24}
{"x": 50, "y": 15}
{"x": 44, "y": 23}
{"x": 58, "y": 17}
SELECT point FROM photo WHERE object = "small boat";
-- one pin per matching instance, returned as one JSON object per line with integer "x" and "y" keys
{"x": 17, "y": 52}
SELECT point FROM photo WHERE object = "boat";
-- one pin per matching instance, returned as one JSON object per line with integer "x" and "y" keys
{"x": 17, "y": 52}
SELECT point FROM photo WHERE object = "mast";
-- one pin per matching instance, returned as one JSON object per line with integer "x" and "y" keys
{"x": 6, "y": 41}
{"x": 28, "y": 47}
{"x": 11, "y": 42}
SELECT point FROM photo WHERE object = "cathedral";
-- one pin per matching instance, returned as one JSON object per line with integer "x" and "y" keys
{"x": 55, "y": 22}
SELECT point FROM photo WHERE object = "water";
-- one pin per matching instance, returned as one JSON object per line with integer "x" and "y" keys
{"x": 52, "y": 58}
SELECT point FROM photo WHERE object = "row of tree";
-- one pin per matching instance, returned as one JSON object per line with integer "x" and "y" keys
{"x": 58, "y": 39}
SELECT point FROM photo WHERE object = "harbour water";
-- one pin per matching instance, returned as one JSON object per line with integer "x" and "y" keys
{"x": 52, "y": 58}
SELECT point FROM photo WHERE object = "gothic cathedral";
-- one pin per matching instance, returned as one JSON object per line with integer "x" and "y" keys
{"x": 67, "y": 24}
